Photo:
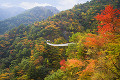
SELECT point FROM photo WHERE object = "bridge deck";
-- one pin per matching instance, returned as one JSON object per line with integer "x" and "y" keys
{"x": 59, "y": 44}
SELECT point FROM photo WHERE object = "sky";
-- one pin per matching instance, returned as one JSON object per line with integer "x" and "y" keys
{"x": 27, "y": 4}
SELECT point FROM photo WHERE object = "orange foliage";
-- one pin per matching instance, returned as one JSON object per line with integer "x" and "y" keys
{"x": 39, "y": 48}
{"x": 11, "y": 51}
{"x": 39, "y": 60}
{"x": 94, "y": 41}
{"x": 71, "y": 63}
{"x": 21, "y": 72}
{"x": 88, "y": 71}
{"x": 109, "y": 20}
{"x": 109, "y": 23}
{"x": 1, "y": 35}
{"x": 32, "y": 52}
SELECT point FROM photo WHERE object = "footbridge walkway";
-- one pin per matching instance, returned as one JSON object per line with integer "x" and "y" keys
{"x": 66, "y": 44}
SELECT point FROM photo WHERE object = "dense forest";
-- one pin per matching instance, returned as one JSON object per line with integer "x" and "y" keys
{"x": 94, "y": 27}
{"x": 27, "y": 17}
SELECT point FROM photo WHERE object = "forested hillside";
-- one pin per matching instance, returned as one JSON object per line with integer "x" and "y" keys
{"x": 27, "y": 17}
{"x": 94, "y": 27}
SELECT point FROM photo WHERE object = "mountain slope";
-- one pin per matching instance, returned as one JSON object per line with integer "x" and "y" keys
{"x": 27, "y": 17}
{"x": 25, "y": 54}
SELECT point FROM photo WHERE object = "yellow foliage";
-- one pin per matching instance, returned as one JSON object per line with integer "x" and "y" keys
{"x": 39, "y": 48}
{"x": 4, "y": 76}
{"x": 32, "y": 58}
{"x": 51, "y": 26}
{"x": 20, "y": 72}
{"x": 24, "y": 77}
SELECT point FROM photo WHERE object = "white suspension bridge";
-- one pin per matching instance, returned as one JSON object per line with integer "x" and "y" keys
{"x": 66, "y": 44}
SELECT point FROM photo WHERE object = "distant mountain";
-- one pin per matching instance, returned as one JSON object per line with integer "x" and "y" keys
{"x": 10, "y": 12}
{"x": 53, "y": 9}
{"x": 27, "y": 17}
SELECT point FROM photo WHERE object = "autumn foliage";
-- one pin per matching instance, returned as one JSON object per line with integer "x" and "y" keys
{"x": 109, "y": 24}
{"x": 63, "y": 64}
{"x": 95, "y": 54}
{"x": 102, "y": 59}
{"x": 109, "y": 20}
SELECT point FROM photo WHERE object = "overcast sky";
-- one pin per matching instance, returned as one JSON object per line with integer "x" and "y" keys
{"x": 27, "y": 4}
